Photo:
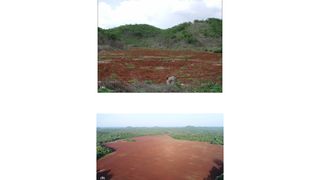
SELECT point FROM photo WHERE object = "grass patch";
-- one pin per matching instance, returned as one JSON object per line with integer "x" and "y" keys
{"x": 134, "y": 85}
{"x": 104, "y": 89}
{"x": 209, "y": 87}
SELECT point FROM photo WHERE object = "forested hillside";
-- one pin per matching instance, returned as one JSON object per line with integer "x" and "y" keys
{"x": 204, "y": 35}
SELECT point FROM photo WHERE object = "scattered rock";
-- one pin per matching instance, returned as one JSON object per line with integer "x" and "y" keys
{"x": 171, "y": 80}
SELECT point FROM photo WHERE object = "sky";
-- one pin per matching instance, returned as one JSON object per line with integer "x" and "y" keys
{"x": 160, "y": 13}
{"x": 160, "y": 120}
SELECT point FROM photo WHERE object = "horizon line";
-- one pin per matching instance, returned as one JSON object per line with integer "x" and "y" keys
{"x": 161, "y": 28}
{"x": 153, "y": 126}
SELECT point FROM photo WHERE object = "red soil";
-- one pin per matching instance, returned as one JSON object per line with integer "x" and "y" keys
{"x": 163, "y": 158}
{"x": 156, "y": 65}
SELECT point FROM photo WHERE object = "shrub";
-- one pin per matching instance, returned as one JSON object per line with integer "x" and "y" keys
{"x": 102, "y": 151}
{"x": 218, "y": 50}
{"x": 112, "y": 36}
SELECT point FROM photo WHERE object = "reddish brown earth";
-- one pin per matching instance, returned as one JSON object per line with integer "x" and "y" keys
{"x": 189, "y": 67}
{"x": 162, "y": 157}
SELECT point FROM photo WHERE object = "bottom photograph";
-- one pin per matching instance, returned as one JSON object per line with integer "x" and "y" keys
{"x": 159, "y": 146}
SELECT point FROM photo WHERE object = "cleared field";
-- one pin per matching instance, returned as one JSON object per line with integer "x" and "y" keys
{"x": 161, "y": 157}
{"x": 192, "y": 69}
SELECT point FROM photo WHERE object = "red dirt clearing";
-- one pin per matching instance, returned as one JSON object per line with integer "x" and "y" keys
{"x": 189, "y": 67}
{"x": 161, "y": 157}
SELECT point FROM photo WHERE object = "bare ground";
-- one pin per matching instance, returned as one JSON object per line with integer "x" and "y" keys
{"x": 161, "y": 157}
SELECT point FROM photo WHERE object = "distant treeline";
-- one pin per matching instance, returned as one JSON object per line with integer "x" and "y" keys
{"x": 213, "y": 135}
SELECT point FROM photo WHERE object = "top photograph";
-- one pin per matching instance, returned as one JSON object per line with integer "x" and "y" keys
{"x": 159, "y": 46}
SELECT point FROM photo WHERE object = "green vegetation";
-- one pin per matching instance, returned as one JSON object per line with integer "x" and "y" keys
{"x": 134, "y": 85}
{"x": 209, "y": 87}
{"x": 218, "y": 50}
{"x": 219, "y": 177}
{"x": 203, "y": 137}
{"x": 112, "y": 134}
{"x": 104, "y": 89}
{"x": 102, "y": 150}
{"x": 128, "y": 34}
{"x": 148, "y": 81}
{"x": 213, "y": 135}
{"x": 198, "y": 35}
{"x": 130, "y": 140}
{"x": 114, "y": 76}
{"x": 132, "y": 81}
{"x": 182, "y": 33}
{"x": 215, "y": 28}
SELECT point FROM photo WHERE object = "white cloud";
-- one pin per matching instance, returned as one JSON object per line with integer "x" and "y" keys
{"x": 162, "y": 14}
{"x": 213, "y": 3}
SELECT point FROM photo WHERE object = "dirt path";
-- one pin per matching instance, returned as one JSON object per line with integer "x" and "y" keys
{"x": 163, "y": 158}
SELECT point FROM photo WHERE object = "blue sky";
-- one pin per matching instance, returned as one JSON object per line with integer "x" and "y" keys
{"x": 160, "y": 13}
{"x": 161, "y": 120}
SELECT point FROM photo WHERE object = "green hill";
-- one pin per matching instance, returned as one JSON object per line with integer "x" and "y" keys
{"x": 199, "y": 35}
